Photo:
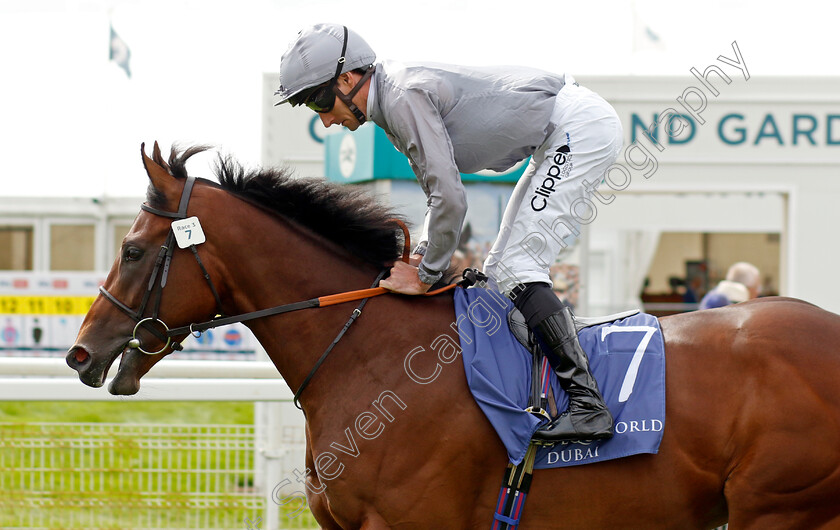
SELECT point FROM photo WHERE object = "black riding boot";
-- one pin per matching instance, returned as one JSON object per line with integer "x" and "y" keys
{"x": 587, "y": 417}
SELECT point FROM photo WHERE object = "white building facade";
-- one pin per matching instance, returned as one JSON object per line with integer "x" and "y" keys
{"x": 716, "y": 169}
{"x": 748, "y": 174}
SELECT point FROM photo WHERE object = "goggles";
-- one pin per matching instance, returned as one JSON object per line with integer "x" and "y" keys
{"x": 320, "y": 99}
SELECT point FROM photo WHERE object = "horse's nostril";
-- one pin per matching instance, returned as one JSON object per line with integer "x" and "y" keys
{"x": 81, "y": 355}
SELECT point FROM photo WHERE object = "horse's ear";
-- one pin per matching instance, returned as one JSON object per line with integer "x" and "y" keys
{"x": 158, "y": 172}
{"x": 158, "y": 158}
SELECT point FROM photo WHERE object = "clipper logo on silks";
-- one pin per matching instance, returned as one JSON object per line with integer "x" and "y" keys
{"x": 559, "y": 170}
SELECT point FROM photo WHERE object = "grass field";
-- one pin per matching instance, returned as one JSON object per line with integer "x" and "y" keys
{"x": 54, "y": 474}
{"x": 164, "y": 412}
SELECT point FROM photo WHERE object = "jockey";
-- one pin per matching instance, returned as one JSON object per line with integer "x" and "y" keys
{"x": 450, "y": 119}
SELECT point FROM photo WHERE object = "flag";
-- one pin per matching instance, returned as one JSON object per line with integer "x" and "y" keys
{"x": 644, "y": 37}
{"x": 120, "y": 53}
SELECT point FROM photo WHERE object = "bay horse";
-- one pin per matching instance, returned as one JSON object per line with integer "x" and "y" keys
{"x": 752, "y": 434}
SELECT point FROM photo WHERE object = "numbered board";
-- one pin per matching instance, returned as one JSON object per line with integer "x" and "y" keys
{"x": 188, "y": 232}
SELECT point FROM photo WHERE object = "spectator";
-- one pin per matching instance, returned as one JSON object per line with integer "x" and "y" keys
{"x": 742, "y": 283}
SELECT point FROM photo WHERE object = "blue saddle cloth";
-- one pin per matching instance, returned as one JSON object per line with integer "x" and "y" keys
{"x": 627, "y": 358}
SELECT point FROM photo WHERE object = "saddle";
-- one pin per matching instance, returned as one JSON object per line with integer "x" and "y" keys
{"x": 526, "y": 338}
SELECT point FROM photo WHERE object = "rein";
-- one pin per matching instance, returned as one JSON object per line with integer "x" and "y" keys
{"x": 322, "y": 301}
{"x": 470, "y": 277}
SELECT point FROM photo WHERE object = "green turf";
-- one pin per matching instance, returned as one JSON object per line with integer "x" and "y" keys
{"x": 113, "y": 498}
{"x": 163, "y": 412}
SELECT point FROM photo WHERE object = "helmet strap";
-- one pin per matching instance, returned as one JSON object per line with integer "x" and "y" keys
{"x": 348, "y": 98}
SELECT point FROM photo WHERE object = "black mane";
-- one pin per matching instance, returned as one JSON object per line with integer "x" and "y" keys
{"x": 348, "y": 216}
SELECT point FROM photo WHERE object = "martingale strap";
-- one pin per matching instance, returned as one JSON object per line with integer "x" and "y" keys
{"x": 356, "y": 314}
{"x": 469, "y": 278}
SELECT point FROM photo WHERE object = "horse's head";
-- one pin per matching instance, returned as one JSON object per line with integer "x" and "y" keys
{"x": 153, "y": 285}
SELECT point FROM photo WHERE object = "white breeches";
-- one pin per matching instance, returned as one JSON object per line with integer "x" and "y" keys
{"x": 551, "y": 200}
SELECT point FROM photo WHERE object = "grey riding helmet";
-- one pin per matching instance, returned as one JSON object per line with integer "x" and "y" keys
{"x": 314, "y": 58}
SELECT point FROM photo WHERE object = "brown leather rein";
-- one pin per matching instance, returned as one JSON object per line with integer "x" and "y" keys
{"x": 321, "y": 301}
{"x": 470, "y": 277}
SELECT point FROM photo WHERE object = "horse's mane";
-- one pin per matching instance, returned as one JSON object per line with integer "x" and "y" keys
{"x": 348, "y": 216}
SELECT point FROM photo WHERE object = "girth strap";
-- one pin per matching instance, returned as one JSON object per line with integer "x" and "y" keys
{"x": 517, "y": 479}
{"x": 515, "y": 487}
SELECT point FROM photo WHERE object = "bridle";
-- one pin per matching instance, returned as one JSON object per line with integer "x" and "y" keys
{"x": 161, "y": 268}
{"x": 154, "y": 289}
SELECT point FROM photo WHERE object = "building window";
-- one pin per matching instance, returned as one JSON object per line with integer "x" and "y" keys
{"x": 16, "y": 248}
{"x": 72, "y": 247}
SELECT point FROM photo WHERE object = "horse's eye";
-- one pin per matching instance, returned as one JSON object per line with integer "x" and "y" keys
{"x": 132, "y": 254}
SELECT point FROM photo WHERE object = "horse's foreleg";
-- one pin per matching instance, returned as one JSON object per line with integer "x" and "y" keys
{"x": 374, "y": 522}
{"x": 321, "y": 511}
{"x": 318, "y": 504}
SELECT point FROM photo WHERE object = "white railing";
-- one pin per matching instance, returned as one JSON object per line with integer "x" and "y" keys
{"x": 166, "y": 368}
{"x": 94, "y": 475}
{"x": 275, "y": 445}
{"x": 50, "y": 379}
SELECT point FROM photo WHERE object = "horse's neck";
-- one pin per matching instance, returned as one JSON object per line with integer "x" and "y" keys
{"x": 294, "y": 266}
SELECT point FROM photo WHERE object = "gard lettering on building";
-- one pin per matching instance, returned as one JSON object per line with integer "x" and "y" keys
{"x": 735, "y": 128}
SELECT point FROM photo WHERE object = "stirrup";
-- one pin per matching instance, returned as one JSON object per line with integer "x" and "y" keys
{"x": 604, "y": 434}
{"x": 539, "y": 412}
